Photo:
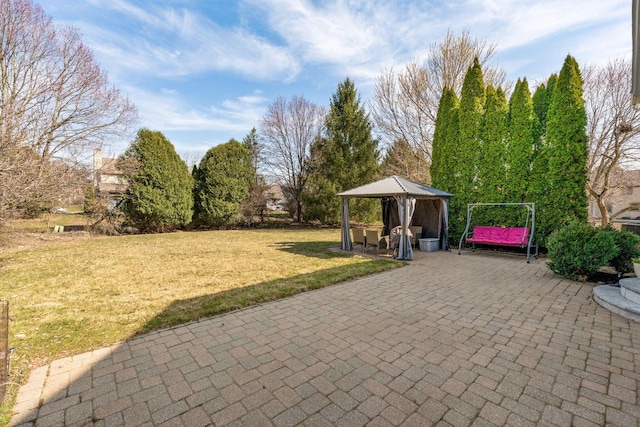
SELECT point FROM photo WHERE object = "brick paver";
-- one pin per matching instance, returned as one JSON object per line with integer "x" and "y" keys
{"x": 448, "y": 340}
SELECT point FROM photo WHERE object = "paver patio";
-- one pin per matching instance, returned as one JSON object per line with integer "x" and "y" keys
{"x": 448, "y": 340}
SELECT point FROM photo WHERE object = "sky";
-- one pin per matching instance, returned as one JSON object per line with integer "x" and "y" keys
{"x": 205, "y": 71}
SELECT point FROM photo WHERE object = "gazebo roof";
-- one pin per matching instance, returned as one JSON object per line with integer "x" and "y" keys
{"x": 394, "y": 186}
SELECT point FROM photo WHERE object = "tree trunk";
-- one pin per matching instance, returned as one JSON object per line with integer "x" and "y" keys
{"x": 604, "y": 213}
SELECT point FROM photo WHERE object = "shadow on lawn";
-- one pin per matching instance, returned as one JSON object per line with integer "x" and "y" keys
{"x": 191, "y": 309}
{"x": 85, "y": 400}
{"x": 310, "y": 249}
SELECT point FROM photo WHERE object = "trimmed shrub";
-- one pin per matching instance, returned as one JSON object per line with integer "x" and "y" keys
{"x": 222, "y": 183}
{"x": 160, "y": 194}
{"x": 579, "y": 249}
{"x": 627, "y": 244}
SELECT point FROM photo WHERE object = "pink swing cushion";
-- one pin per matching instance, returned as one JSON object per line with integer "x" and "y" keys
{"x": 504, "y": 236}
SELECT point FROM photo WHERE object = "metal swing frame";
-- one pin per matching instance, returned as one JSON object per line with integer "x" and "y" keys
{"x": 531, "y": 211}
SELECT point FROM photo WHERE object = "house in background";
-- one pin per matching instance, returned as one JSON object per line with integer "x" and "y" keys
{"x": 275, "y": 198}
{"x": 623, "y": 203}
{"x": 108, "y": 180}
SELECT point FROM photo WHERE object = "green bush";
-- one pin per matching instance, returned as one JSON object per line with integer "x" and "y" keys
{"x": 627, "y": 244}
{"x": 222, "y": 183}
{"x": 160, "y": 194}
{"x": 579, "y": 249}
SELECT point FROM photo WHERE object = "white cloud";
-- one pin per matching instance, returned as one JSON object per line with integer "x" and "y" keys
{"x": 153, "y": 47}
{"x": 168, "y": 111}
{"x": 352, "y": 38}
{"x": 514, "y": 23}
{"x": 170, "y": 42}
{"x": 280, "y": 39}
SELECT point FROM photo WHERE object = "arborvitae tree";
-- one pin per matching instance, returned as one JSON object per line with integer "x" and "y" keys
{"x": 223, "y": 182}
{"x": 541, "y": 99}
{"x": 160, "y": 196}
{"x": 445, "y": 143}
{"x": 346, "y": 158}
{"x": 472, "y": 103}
{"x": 538, "y": 188}
{"x": 520, "y": 146}
{"x": 492, "y": 172}
{"x": 567, "y": 143}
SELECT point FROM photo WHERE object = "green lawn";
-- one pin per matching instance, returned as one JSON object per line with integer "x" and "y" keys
{"x": 72, "y": 297}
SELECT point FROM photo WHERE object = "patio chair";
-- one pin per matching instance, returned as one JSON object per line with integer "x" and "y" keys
{"x": 372, "y": 239}
{"x": 416, "y": 230}
{"x": 394, "y": 239}
{"x": 359, "y": 237}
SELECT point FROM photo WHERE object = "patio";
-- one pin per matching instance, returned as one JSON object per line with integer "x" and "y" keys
{"x": 475, "y": 339}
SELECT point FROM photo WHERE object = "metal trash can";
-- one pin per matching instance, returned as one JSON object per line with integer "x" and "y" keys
{"x": 429, "y": 245}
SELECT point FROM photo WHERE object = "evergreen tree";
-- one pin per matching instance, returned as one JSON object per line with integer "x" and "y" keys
{"x": 320, "y": 193}
{"x": 492, "y": 172}
{"x": 520, "y": 147}
{"x": 402, "y": 160}
{"x": 160, "y": 196}
{"x": 540, "y": 100}
{"x": 223, "y": 182}
{"x": 538, "y": 189}
{"x": 445, "y": 143}
{"x": 346, "y": 158}
{"x": 567, "y": 144}
{"x": 256, "y": 203}
{"x": 472, "y": 101}
{"x": 90, "y": 199}
{"x": 251, "y": 143}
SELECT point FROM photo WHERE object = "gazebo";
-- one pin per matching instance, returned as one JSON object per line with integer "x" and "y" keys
{"x": 404, "y": 203}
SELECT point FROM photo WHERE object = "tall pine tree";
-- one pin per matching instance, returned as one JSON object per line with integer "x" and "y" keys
{"x": 567, "y": 145}
{"x": 256, "y": 203}
{"x": 401, "y": 159}
{"x": 347, "y": 157}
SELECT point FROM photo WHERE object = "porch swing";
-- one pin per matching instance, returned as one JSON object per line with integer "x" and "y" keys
{"x": 501, "y": 236}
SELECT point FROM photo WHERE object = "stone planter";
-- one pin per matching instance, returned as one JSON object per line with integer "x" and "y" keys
{"x": 636, "y": 269}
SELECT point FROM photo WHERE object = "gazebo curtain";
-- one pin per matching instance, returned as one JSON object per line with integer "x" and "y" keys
{"x": 406, "y": 207}
{"x": 444, "y": 236}
{"x": 346, "y": 235}
{"x": 430, "y": 213}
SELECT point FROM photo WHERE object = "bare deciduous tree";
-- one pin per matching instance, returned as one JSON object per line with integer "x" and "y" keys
{"x": 405, "y": 103}
{"x": 613, "y": 128}
{"x": 56, "y": 102}
{"x": 287, "y": 130}
{"x": 403, "y": 107}
{"x": 449, "y": 60}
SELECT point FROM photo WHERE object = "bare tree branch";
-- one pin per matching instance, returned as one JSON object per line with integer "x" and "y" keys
{"x": 55, "y": 103}
{"x": 287, "y": 130}
{"x": 405, "y": 103}
{"x": 613, "y": 127}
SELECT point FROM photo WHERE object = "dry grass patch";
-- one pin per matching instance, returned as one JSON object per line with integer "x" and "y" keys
{"x": 72, "y": 297}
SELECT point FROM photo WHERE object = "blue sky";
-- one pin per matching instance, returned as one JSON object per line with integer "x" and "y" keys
{"x": 204, "y": 71}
